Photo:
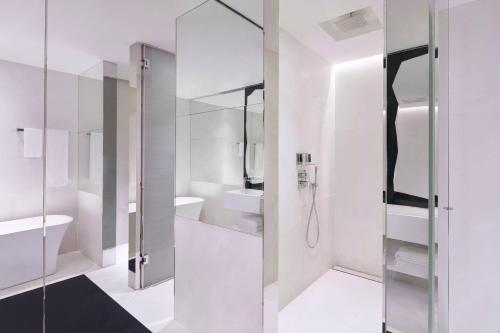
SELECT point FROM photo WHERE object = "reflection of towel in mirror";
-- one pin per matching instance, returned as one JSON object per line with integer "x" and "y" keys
{"x": 57, "y": 158}
{"x": 96, "y": 157}
{"x": 255, "y": 160}
{"x": 259, "y": 160}
{"x": 413, "y": 255}
{"x": 413, "y": 260}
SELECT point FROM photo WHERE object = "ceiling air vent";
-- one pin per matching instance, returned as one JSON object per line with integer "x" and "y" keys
{"x": 352, "y": 24}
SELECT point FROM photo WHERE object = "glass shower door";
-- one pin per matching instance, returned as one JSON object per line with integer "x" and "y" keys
{"x": 22, "y": 163}
{"x": 410, "y": 242}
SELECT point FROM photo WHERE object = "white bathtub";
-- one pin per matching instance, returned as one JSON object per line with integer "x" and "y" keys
{"x": 21, "y": 248}
{"x": 189, "y": 207}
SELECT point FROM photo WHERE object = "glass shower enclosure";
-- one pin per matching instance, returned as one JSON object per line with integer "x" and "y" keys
{"x": 410, "y": 196}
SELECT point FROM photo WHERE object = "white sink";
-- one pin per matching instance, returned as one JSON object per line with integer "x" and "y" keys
{"x": 245, "y": 200}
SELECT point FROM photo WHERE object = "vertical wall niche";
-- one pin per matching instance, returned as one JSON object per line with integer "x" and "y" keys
{"x": 97, "y": 132}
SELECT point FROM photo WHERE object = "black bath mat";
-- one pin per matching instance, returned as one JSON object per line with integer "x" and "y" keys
{"x": 75, "y": 305}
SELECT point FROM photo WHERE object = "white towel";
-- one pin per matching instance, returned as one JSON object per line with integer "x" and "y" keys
{"x": 57, "y": 158}
{"x": 259, "y": 160}
{"x": 412, "y": 255}
{"x": 240, "y": 148}
{"x": 255, "y": 161}
{"x": 412, "y": 269}
{"x": 33, "y": 142}
{"x": 96, "y": 157}
{"x": 250, "y": 223}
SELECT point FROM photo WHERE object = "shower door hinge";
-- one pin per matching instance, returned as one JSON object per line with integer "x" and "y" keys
{"x": 448, "y": 208}
{"x": 146, "y": 64}
{"x": 145, "y": 259}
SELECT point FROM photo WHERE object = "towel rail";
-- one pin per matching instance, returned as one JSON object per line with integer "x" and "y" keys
{"x": 22, "y": 130}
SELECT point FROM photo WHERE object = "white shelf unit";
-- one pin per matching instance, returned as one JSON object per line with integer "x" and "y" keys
{"x": 394, "y": 268}
{"x": 407, "y": 225}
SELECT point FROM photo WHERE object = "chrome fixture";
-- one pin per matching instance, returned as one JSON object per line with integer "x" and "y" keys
{"x": 303, "y": 165}
{"x": 303, "y": 159}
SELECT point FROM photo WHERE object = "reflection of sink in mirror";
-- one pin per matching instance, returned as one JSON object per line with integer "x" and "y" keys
{"x": 250, "y": 203}
{"x": 245, "y": 200}
{"x": 189, "y": 207}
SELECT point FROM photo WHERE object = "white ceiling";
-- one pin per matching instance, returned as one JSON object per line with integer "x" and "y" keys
{"x": 82, "y": 33}
{"x": 301, "y": 19}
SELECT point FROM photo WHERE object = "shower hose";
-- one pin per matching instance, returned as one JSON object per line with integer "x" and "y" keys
{"x": 313, "y": 209}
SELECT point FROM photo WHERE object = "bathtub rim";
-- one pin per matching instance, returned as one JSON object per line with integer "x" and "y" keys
{"x": 179, "y": 201}
{"x": 184, "y": 201}
{"x": 32, "y": 223}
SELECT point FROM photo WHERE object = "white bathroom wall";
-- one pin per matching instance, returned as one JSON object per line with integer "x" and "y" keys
{"x": 90, "y": 201}
{"x": 183, "y": 148}
{"x": 214, "y": 150}
{"x": 474, "y": 167}
{"x": 306, "y": 124}
{"x": 358, "y": 212}
{"x": 90, "y": 226}
{"x": 218, "y": 278}
{"x": 271, "y": 166}
{"x": 62, "y": 113}
{"x": 412, "y": 166}
{"x": 125, "y": 106}
{"x": 207, "y": 161}
{"x": 90, "y": 204}
{"x": 21, "y": 105}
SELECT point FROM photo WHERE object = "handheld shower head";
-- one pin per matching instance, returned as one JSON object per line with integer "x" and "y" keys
{"x": 314, "y": 185}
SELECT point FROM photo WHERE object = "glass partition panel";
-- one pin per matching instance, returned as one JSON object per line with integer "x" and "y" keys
{"x": 410, "y": 162}
{"x": 220, "y": 96}
{"x": 22, "y": 123}
{"x": 93, "y": 131}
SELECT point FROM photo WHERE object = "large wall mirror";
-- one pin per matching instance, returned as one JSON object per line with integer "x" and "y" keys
{"x": 219, "y": 167}
{"x": 220, "y": 114}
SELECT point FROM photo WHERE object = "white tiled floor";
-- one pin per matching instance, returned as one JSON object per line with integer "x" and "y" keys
{"x": 336, "y": 302}
{"x": 153, "y": 307}
{"x": 407, "y": 307}
{"x": 68, "y": 265}
{"x": 174, "y": 327}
